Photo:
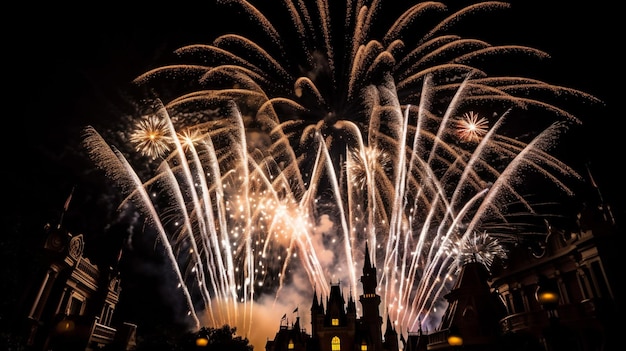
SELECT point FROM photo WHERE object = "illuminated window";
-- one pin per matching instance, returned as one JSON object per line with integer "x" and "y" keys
{"x": 363, "y": 346}
{"x": 290, "y": 345}
{"x": 335, "y": 321}
{"x": 335, "y": 344}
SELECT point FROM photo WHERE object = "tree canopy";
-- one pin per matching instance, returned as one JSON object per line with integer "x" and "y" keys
{"x": 205, "y": 339}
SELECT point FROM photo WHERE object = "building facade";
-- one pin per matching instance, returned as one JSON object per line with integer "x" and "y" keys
{"x": 71, "y": 305}
{"x": 563, "y": 294}
{"x": 560, "y": 295}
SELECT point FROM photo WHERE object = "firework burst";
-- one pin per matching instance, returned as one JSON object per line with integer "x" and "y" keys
{"x": 472, "y": 127}
{"x": 349, "y": 138}
{"x": 151, "y": 137}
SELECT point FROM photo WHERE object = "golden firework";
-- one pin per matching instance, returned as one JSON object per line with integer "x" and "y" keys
{"x": 471, "y": 127}
{"x": 150, "y": 137}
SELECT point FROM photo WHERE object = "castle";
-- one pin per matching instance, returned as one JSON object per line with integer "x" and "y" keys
{"x": 336, "y": 325}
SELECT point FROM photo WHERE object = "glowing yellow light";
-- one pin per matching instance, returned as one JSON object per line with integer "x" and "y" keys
{"x": 547, "y": 297}
{"x": 202, "y": 342}
{"x": 65, "y": 326}
{"x": 455, "y": 340}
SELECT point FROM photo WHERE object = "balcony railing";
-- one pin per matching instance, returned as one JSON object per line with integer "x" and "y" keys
{"x": 568, "y": 314}
{"x": 103, "y": 334}
{"x": 438, "y": 337}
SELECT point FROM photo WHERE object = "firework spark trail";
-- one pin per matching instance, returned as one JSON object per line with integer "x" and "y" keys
{"x": 299, "y": 223}
{"x": 309, "y": 259}
{"x": 412, "y": 254}
{"x": 316, "y": 174}
{"x": 113, "y": 162}
{"x": 248, "y": 263}
{"x": 397, "y": 215}
{"x": 423, "y": 106}
{"x": 187, "y": 177}
{"x": 225, "y": 270}
{"x": 507, "y": 176}
{"x": 301, "y": 239}
{"x": 442, "y": 259}
{"x": 225, "y": 292}
{"x": 209, "y": 238}
{"x": 395, "y": 235}
{"x": 188, "y": 230}
{"x": 345, "y": 227}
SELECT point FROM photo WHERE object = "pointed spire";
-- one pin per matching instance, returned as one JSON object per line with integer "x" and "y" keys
{"x": 368, "y": 279}
{"x": 66, "y": 206}
{"x": 315, "y": 303}
{"x": 593, "y": 183}
{"x": 296, "y": 325}
{"x": 607, "y": 213}
{"x": 367, "y": 262}
{"x": 389, "y": 328}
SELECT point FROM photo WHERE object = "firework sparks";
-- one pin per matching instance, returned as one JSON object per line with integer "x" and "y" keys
{"x": 471, "y": 127}
{"x": 481, "y": 248}
{"x": 151, "y": 137}
{"x": 347, "y": 149}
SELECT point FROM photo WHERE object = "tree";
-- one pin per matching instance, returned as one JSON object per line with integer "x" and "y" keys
{"x": 219, "y": 339}
{"x": 162, "y": 338}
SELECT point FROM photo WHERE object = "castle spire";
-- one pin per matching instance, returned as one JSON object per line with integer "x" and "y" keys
{"x": 369, "y": 274}
{"x": 367, "y": 262}
{"x": 391, "y": 336}
{"x": 315, "y": 303}
{"x": 389, "y": 328}
{"x": 605, "y": 209}
{"x": 66, "y": 205}
{"x": 370, "y": 302}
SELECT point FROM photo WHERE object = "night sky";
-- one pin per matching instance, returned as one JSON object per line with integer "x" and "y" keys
{"x": 68, "y": 68}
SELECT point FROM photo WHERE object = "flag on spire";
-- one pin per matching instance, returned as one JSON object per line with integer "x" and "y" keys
{"x": 69, "y": 199}
{"x": 296, "y": 310}
{"x": 284, "y": 316}
{"x": 65, "y": 207}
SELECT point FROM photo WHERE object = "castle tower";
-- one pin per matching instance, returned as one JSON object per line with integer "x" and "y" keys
{"x": 370, "y": 302}
{"x": 335, "y": 325}
{"x": 333, "y": 328}
{"x": 391, "y": 336}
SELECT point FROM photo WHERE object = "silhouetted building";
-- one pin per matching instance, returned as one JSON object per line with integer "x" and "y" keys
{"x": 472, "y": 314}
{"x": 290, "y": 338}
{"x": 337, "y": 327}
{"x": 72, "y": 303}
{"x": 560, "y": 295}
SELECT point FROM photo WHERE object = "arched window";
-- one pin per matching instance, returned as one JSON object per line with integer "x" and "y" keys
{"x": 334, "y": 321}
{"x": 290, "y": 344}
{"x": 363, "y": 346}
{"x": 335, "y": 344}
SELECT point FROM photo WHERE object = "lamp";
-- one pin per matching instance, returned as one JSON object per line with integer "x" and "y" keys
{"x": 547, "y": 295}
{"x": 454, "y": 337}
{"x": 202, "y": 341}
